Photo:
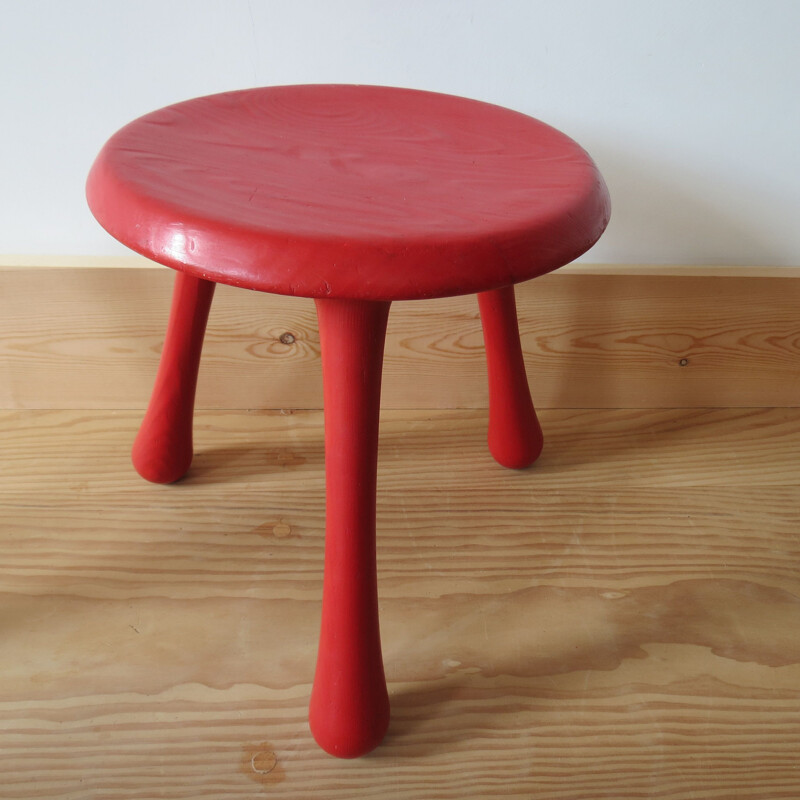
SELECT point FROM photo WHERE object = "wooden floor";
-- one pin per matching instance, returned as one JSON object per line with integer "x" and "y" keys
{"x": 620, "y": 621}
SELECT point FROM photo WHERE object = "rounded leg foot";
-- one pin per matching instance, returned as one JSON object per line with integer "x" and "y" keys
{"x": 162, "y": 451}
{"x": 515, "y": 436}
{"x": 349, "y": 710}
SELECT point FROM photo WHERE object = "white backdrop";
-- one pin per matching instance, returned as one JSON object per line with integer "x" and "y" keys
{"x": 689, "y": 107}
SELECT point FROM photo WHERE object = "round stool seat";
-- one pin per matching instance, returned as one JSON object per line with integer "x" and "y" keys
{"x": 359, "y": 192}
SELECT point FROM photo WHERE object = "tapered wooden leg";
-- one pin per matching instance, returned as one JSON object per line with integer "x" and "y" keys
{"x": 162, "y": 451}
{"x": 515, "y": 436}
{"x": 349, "y": 711}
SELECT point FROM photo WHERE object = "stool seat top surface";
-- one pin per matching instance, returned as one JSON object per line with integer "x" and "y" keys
{"x": 362, "y": 192}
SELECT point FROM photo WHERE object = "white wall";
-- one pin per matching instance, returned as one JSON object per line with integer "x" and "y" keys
{"x": 690, "y": 107}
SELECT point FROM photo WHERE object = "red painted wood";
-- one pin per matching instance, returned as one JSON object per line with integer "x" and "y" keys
{"x": 515, "y": 437}
{"x": 356, "y": 196}
{"x": 349, "y": 191}
{"x": 349, "y": 711}
{"x": 162, "y": 451}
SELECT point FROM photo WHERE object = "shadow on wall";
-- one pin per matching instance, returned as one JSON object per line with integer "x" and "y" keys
{"x": 658, "y": 217}
{"x": 655, "y": 341}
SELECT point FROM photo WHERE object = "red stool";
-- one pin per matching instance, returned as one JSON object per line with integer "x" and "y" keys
{"x": 355, "y": 196}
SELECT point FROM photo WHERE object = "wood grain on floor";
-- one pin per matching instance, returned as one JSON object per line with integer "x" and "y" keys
{"x": 620, "y": 621}
{"x": 91, "y": 338}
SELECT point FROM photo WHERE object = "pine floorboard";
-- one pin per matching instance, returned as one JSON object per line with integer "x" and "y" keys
{"x": 620, "y": 621}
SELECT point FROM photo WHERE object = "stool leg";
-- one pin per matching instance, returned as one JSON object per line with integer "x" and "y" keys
{"x": 162, "y": 451}
{"x": 515, "y": 436}
{"x": 349, "y": 711}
